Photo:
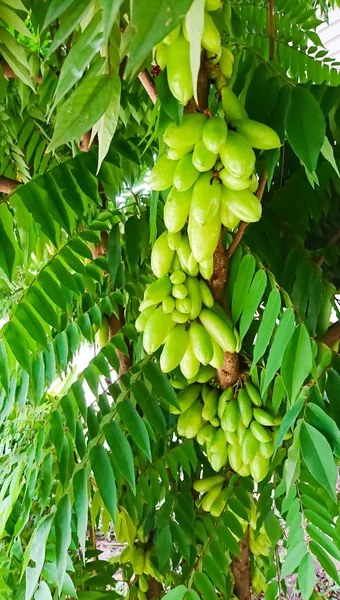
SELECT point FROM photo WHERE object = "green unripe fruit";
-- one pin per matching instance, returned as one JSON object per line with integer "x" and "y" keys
{"x": 219, "y": 504}
{"x": 168, "y": 305}
{"x": 185, "y": 174}
{"x": 207, "y": 297}
{"x": 240, "y": 432}
{"x": 231, "y": 437}
{"x": 218, "y": 329}
{"x": 202, "y": 158}
{"x": 174, "y": 240}
{"x": 253, "y": 393}
{"x": 228, "y": 218}
{"x": 206, "y": 199}
{"x": 245, "y": 205}
{"x": 266, "y": 449}
{"x": 187, "y": 397}
{"x": 245, "y": 406}
{"x": 206, "y": 484}
{"x": 176, "y": 209}
{"x": 178, "y": 70}
{"x": 210, "y": 497}
{"x": 206, "y": 434}
{"x": 145, "y": 304}
{"x": 102, "y": 336}
{"x": 233, "y": 109}
{"x": 176, "y": 263}
{"x": 177, "y": 153}
{"x": 218, "y": 356}
{"x": 156, "y": 330}
{"x": 211, "y": 5}
{"x": 201, "y": 343}
{"x": 226, "y": 63}
{"x": 187, "y": 133}
{"x": 138, "y": 561}
{"x": 184, "y": 252}
{"x": 244, "y": 471}
{"x": 162, "y": 174}
{"x": 192, "y": 265}
{"x": 214, "y": 134}
{"x": 231, "y": 417}
{"x": 261, "y": 433}
{"x": 259, "y": 136}
{"x": 232, "y": 182}
{"x": 189, "y": 364}
{"x": 211, "y": 39}
{"x": 249, "y": 447}
{"x": 204, "y": 238}
{"x": 210, "y": 405}
{"x": 183, "y": 305}
{"x": 179, "y": 290}
{"x": 158, "y": 290}
{"x": 160, "y": 55}
{"x": 194, "y": 295}
{"x": 237, "y": 155}
{"x": 205, "y": 374}
{"x": 179, "y": 317}
{"x": 174, "y": 349}
{"x": 142, "y": 319}
{"x": 173, "y": 35}
{"x": 264, "y": 418}
{"x": 193, "y": 421}
{"x": 234, "y": 455}
{"x": 254, "y": 184}
{"x": 218, "y": 451}
{"x": 143, "y": 583}
{"x": 177, "y": 277}
{"x": 161, "y": 256}
{"x": 207, "y": 267}
{"x": 225, "y": 397}
{"x": 259, "y": 468}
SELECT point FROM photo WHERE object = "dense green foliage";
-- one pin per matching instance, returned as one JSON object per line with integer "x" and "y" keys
{"x": 106, "y": 449}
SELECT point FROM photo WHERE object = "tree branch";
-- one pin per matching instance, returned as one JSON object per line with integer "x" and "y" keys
{"x": 271, "y": 29}
{"x": 7, "y": 186}
{"x": 333, "y": 240}
{"x": 332, "y": 335}
{"x": 148, "y": 84}
{"x": 9, "y": 73}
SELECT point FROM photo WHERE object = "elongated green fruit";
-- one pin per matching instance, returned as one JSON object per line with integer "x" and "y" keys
{"x": 204, "y": 238}
{"x": 264, "y": 418}
{"x": 206, "y": 484}
{"x": 225, "y": 397}
{"x": 161, "y": 256}
{"x": 174, "y": 240}
{"x": 173, "y": 35}
{"x": 160, "y": 55}
{"x": 243, "y": 204}
{"x": 176, "y": 209}
{"x": 245, "y": 406}
{"x": 194, "y": 294}
{"x": 156, "y": 330}
{"x": 179, "y": 317}
{"x": 211, "y": 496}
{"x": 219, "y": 504}
{"x": 231, "y": 417}
{"x": 226, "y": 62}
{"x": 253, "y": 393}
{"x": 214, "y": 134}
{"x": 210, "y": 405}
{"x": 184, "y": 252}
{"x": 183, "y": 305}
{"x": 176, "y": 263}
{"x": 237, "y": 155}
{"x": 261, "y": 433}
{"x": 177, "y": 277}
{"x": 187, "y": 133}
{"x": 206, "y": 199}
{"x": 211, "y": 39}
{"x": 232, "y": 182}
{"x": 138, "y": 561}
{"x": 158, "y": 290}
{"x": 259, "y": 136}
{"x": 218, "y": 329}
{"x": 266, "y": 449}
{"x": 185, "y": 173}
{"x": 194, "y": 420}
{"x": 211, "y": 5}
{"x": 174, "y": 349}
{"x": 168, "y": 304}
{"x": 202, "y": 158}
{"x": 192, "y": 265}
{"x": 206, "y": 434}
{"x": 177, "y": 153}
{"x": 244, "y": 471}
{"x": 179, "y": 290}
{"x": 178, "y": 69}
{"x": 218, "y": 356}
{"x": 259, "y": 468}
{"x": 143, "y": 318}
{"x": 234, "y": 455}
{"x": 233, "y": 109}
{"x": 240, "y": 432}
{"x": 231, "y": 437}
{"x": 188, "y": 396}
{"x": 228, "y": 218}
{"x": 189, "y": 364}
{"x": 143, "y": 583}
{"x": 162, "y": 174}
{"x": 207, "y": 297}
{"x": 201, "y": 343}
{"x": 249, "y": 447}
{"x": 205, "y": 374}
{"x": 217, "y": 451}
{"x": 207, "y": 267}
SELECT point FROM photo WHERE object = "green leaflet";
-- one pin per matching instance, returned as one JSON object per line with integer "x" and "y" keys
{"x": 267, "y": 325}
{"x": 194, "y": 25}
{"x": 276, "y": 353}
{"x": 63, "y": 536}
{"x": 105, "y": 479}
{"x": 135, "y": 427}
{"x": 176, "y": 594}
{"x": 37, "y": 554}
{"x": 318, "y": 457}
{"x": 242, "y": 284}
{"x": 81, "y": 506}
{"x": 254, "y": 297}
{"x": 122, "y": 452}
{"x": 160, "y": 384}
{"x": 149, "y": 406}
{"x": 204, "y": 586}
{"x": 297, "y": 361}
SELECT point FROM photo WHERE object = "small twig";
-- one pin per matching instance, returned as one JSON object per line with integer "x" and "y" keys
{"x": 271, "y": 29}
{"x": 148, "y": 84}
{"x": 332, "y": 335}
{"x": 7, "y": 186}
{"x": 333, "y": 240}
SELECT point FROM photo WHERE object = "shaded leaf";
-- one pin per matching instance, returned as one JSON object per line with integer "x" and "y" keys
{"x": 318, "y": 457}
{"x": 297, "y": 361}
{"x": 267, "y": 325}
{"x": 135, "y": 426}
{"x": 105, "y": 479}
